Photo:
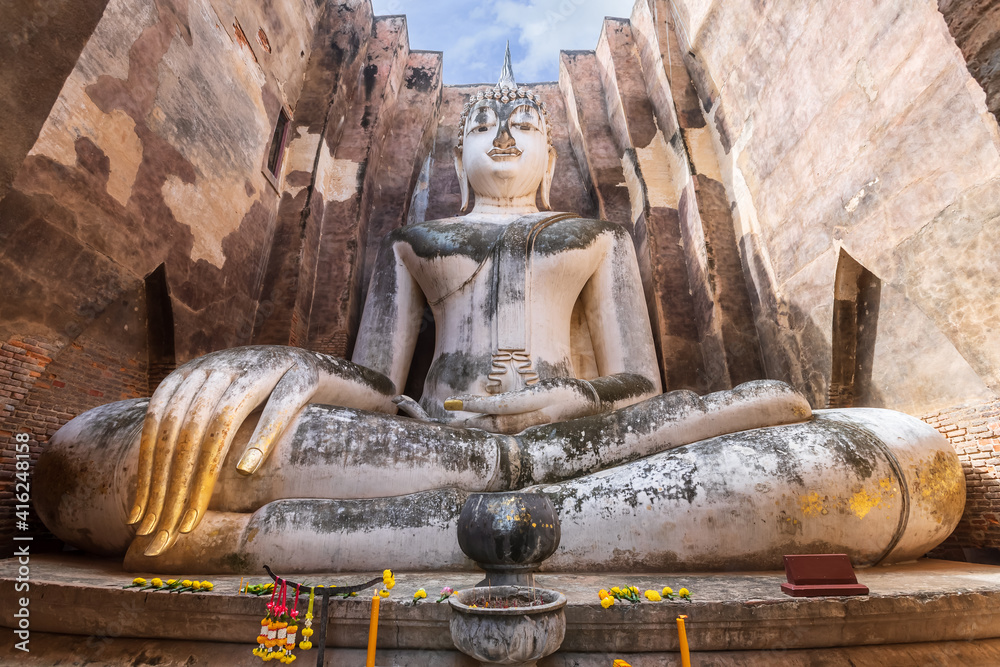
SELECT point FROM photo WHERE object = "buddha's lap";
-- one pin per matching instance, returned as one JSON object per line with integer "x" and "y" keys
{"x": 828, "y": 482}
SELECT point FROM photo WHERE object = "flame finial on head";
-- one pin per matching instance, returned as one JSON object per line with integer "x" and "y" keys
{"x": 507, "y": 73}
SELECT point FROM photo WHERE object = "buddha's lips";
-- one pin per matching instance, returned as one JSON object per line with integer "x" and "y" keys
{"x": 504, "y": 152}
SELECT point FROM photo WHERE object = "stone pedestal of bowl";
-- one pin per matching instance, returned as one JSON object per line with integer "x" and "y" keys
{"x": 508, "y": 534}
{"x": 516, "y": 636}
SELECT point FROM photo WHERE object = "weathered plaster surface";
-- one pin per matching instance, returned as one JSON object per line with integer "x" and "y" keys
{"x": 337, "y": 179}
{"x": 880, "y": 485}
{"x": 136, "y": 135}
{"x": 903, "y": 328}
{"x": 39, "y": 48}
{"x": 857, "y": 129}
{"x": 115, "y": 128}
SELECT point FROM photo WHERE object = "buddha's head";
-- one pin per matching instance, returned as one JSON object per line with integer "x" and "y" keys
{"x": 504, "y": 150}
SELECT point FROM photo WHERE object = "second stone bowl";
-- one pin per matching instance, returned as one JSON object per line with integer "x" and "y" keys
{"x": 508, "y": 625}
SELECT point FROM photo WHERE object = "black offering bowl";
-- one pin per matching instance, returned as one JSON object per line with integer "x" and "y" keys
{"x": 508, "y": 534}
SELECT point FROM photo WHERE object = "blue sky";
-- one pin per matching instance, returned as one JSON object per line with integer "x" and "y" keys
{"x": 472, "y": 33}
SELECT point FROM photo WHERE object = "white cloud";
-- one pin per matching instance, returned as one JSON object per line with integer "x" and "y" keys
{"x": 472, "y": 34}
{"x": 546, "y": 27}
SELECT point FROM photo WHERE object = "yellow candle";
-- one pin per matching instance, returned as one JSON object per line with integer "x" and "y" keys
{"x": 372, "y": 632}
{"x": 682, "y": 634}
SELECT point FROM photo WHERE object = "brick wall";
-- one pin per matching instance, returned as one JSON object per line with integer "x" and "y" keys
{"x": 43, "y": 387}
{"x": 841, "y": 395}
{"x": 975, "y": 432}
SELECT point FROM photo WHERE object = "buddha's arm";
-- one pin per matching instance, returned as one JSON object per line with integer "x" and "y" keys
{"x": 391, "y": 320}
{"x": 619, "y": 328}
{"x": 196, "y": 411}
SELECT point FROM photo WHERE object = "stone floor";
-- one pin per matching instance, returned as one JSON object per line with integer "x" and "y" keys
{"x": 923, "y": 613}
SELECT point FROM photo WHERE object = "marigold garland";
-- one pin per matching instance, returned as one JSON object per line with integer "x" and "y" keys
{"x": 631, "y": 594}
{"x": 279, "y": 627}
{"x": 171, "y": 585}
{"x": 307, "y": 631}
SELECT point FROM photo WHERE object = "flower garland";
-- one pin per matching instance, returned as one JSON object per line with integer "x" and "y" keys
{"x": 279, "y": 629}
{"x": 631, "y": 594}
{"x": 388, "y": 580}
{"x": 171, "y": 585}
{"x": 307, "y": 631}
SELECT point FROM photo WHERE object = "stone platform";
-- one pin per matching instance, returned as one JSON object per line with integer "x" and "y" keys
{"x": 928, "y": 612}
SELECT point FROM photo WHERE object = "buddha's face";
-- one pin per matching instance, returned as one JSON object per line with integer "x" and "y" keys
{"x": 505, "y": 149}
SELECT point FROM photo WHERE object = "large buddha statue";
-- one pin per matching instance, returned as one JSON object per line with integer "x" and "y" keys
{"x": 544, "y": 377}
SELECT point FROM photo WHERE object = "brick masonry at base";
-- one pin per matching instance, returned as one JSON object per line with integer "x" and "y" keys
{"x": 974, "y": 430}
{"x": 43, "y": 387}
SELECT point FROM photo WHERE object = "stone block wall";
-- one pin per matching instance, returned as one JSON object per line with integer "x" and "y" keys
{"x": 353, "y": 163}
{"x": 312, "y": 178}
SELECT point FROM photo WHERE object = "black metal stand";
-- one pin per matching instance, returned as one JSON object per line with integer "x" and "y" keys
{"x": 325, "y": 613}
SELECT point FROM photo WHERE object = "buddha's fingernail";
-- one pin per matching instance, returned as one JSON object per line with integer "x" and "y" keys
{"x": 147, "y": 525}
{"x": 453, "y": 404}
{"x": 250, "y": 461}
{"x": 190, "y": 518}
{"x": 159, "y": 544}
{"x": 134, "y": 515}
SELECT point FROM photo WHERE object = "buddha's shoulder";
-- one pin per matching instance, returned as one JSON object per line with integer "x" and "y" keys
{"x": 444, "y": 225}
{"x": 577, "y": 232}
{"x": 462, "y": 235}
{"x": 589, "y": 225}
{"x": 447, "y": 236}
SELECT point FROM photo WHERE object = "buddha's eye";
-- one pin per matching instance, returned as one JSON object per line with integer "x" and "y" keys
{"x": 483, "y": 119}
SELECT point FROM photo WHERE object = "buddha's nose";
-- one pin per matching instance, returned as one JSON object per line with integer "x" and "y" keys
{"x": 503, "y": 138}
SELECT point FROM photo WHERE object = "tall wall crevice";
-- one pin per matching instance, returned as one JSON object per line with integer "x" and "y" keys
{"x": 161, "y": 354}
{"x": 857, "y": 293}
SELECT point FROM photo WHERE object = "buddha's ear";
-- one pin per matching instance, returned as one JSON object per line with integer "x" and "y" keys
{"x": 463, "y": 180}
{"x": 547, "y": 179}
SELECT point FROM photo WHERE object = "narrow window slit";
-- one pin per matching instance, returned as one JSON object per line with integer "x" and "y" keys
{"x": 277, "y": 151}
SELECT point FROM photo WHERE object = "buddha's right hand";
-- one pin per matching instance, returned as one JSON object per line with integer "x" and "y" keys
{"x": 195, "y": 413}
